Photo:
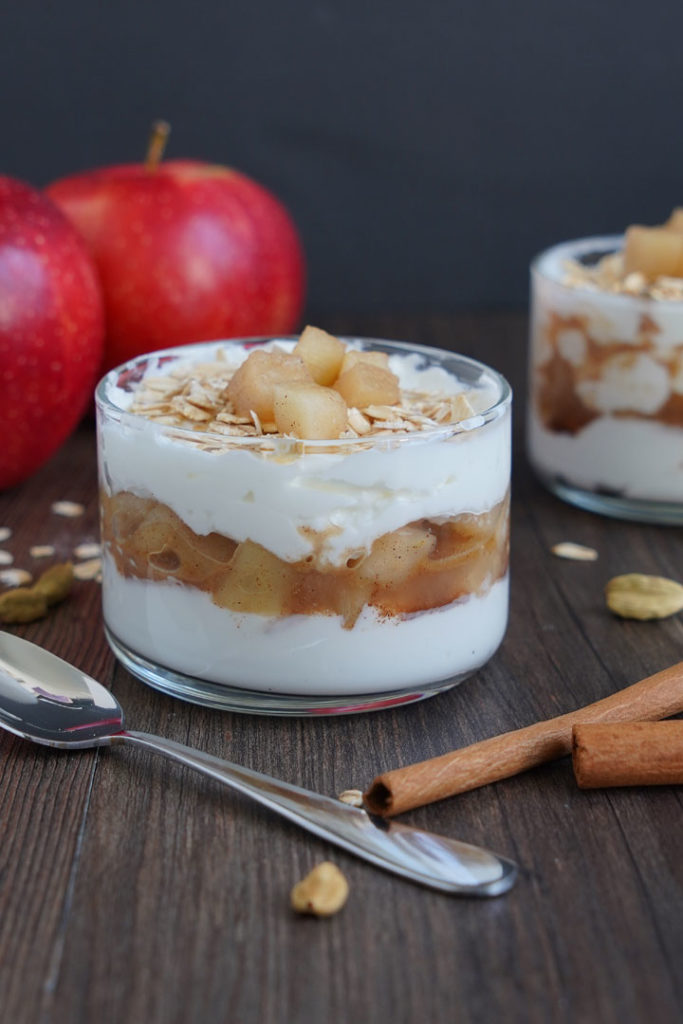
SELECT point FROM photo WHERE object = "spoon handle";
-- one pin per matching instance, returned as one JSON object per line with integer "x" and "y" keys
{"x": 434, "y": 861}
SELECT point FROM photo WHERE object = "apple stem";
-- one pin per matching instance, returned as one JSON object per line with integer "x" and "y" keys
{"x": 157, "y": 144}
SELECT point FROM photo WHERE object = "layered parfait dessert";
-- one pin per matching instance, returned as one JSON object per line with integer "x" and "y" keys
{"x": 301, "y": 523}
{"x": 605, "y": 424}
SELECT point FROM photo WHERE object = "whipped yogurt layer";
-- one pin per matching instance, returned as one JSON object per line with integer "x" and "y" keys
{"x": 369, "y": 561}
{"x": 614, "y": 455}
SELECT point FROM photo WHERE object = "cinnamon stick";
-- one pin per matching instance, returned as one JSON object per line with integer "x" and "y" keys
{"x": 658, "y": 696}
{"x": 628, "y": 754}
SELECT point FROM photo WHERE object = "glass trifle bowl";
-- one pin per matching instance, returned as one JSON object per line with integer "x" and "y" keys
{"x": 310, "y": 525}
{"x": 605, "y": 416}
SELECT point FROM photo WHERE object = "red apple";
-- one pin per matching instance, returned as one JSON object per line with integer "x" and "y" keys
{"x": 51, "y": 329}
{"x": 186, "y": 251}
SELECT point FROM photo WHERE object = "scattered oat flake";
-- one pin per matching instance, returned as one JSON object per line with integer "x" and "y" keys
{"x": 231, "y": 417}
{"x": 70, "y": 509}
{"x": 15, "y": 577}
{"x": 352, "y": 796}
{"x": 5, "y": 533}
{"x": 88, "y": 550}
{"x": 358, "y": 422}
{"x": 88, "y": 570}
{"x": 6, "y": 558}
{"x": 189, "y": 411}
{"x": 577, "y": 552}
{"x": 41, "y": 551}
{"x": 256, "y": 421}
{"x": 381, "y": 412}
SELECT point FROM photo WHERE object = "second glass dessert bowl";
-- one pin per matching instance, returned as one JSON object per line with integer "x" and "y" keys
{"x": 605, "y": 416}
{"x": 250, "y": 569}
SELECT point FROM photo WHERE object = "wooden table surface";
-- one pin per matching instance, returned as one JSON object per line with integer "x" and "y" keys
{"x": 134, "y": 890}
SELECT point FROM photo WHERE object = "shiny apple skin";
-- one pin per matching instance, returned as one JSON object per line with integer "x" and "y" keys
{"x": 186, "y": 252}
{"x": 51, "y": 329}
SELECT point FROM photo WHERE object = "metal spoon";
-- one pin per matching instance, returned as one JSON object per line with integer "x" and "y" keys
{"x": 45, "y": 699}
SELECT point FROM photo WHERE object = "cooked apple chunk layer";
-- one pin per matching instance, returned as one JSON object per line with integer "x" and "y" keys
{"x": 420, "y": 566}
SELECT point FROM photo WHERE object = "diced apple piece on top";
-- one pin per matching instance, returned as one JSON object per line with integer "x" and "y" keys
{"x": 354, "y": 356}
{"x": 365, "y": 384}
{"x": 251, "y": 388}
{"x": 309, "y": 411}
{"x": 322, "y": 353}
{"x": 655, "y": 252}
{"x": 675, "y": 221}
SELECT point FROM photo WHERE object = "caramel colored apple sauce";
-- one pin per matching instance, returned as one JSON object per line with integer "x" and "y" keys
{"x": 577, "y": 361}
{"x": 421, "y": 566}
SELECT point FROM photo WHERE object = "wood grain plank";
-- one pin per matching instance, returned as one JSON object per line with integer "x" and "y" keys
{"x": 44, "y": 794}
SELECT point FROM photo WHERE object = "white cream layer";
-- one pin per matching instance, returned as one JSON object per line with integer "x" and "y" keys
{"x": 180, "y": 628}
{"x": 642, "y": 459}
{"x": 349, "y": 499}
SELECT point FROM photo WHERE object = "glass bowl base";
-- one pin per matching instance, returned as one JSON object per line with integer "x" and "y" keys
{"x": 225, "y": 697}
{"x": 658, "y": 513}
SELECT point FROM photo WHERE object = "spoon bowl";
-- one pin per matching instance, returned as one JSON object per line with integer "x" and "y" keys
{"x": 49, "y": 701}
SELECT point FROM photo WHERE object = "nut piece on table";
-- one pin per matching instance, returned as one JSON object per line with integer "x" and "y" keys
{"x": 366, "y": 384}
{"x": 322, "y": 892}
{"x": 55, "y": 583}
{"x": 251, "y": 388}
{"x": 637, "y": 596}
{"x": 655, "y": 252}
{"x": 309, "y": 411}
{"x": 322, "y": 353}
{"x": 22, "y": 605}
{"x": 26, "y": 604}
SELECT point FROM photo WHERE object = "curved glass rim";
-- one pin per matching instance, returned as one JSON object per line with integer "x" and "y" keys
{"x": 594, "y": 243}
{"x": 271, "y": 441}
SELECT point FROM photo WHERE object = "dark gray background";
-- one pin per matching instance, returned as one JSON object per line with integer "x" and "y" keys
{"x": 426, "y": 150}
